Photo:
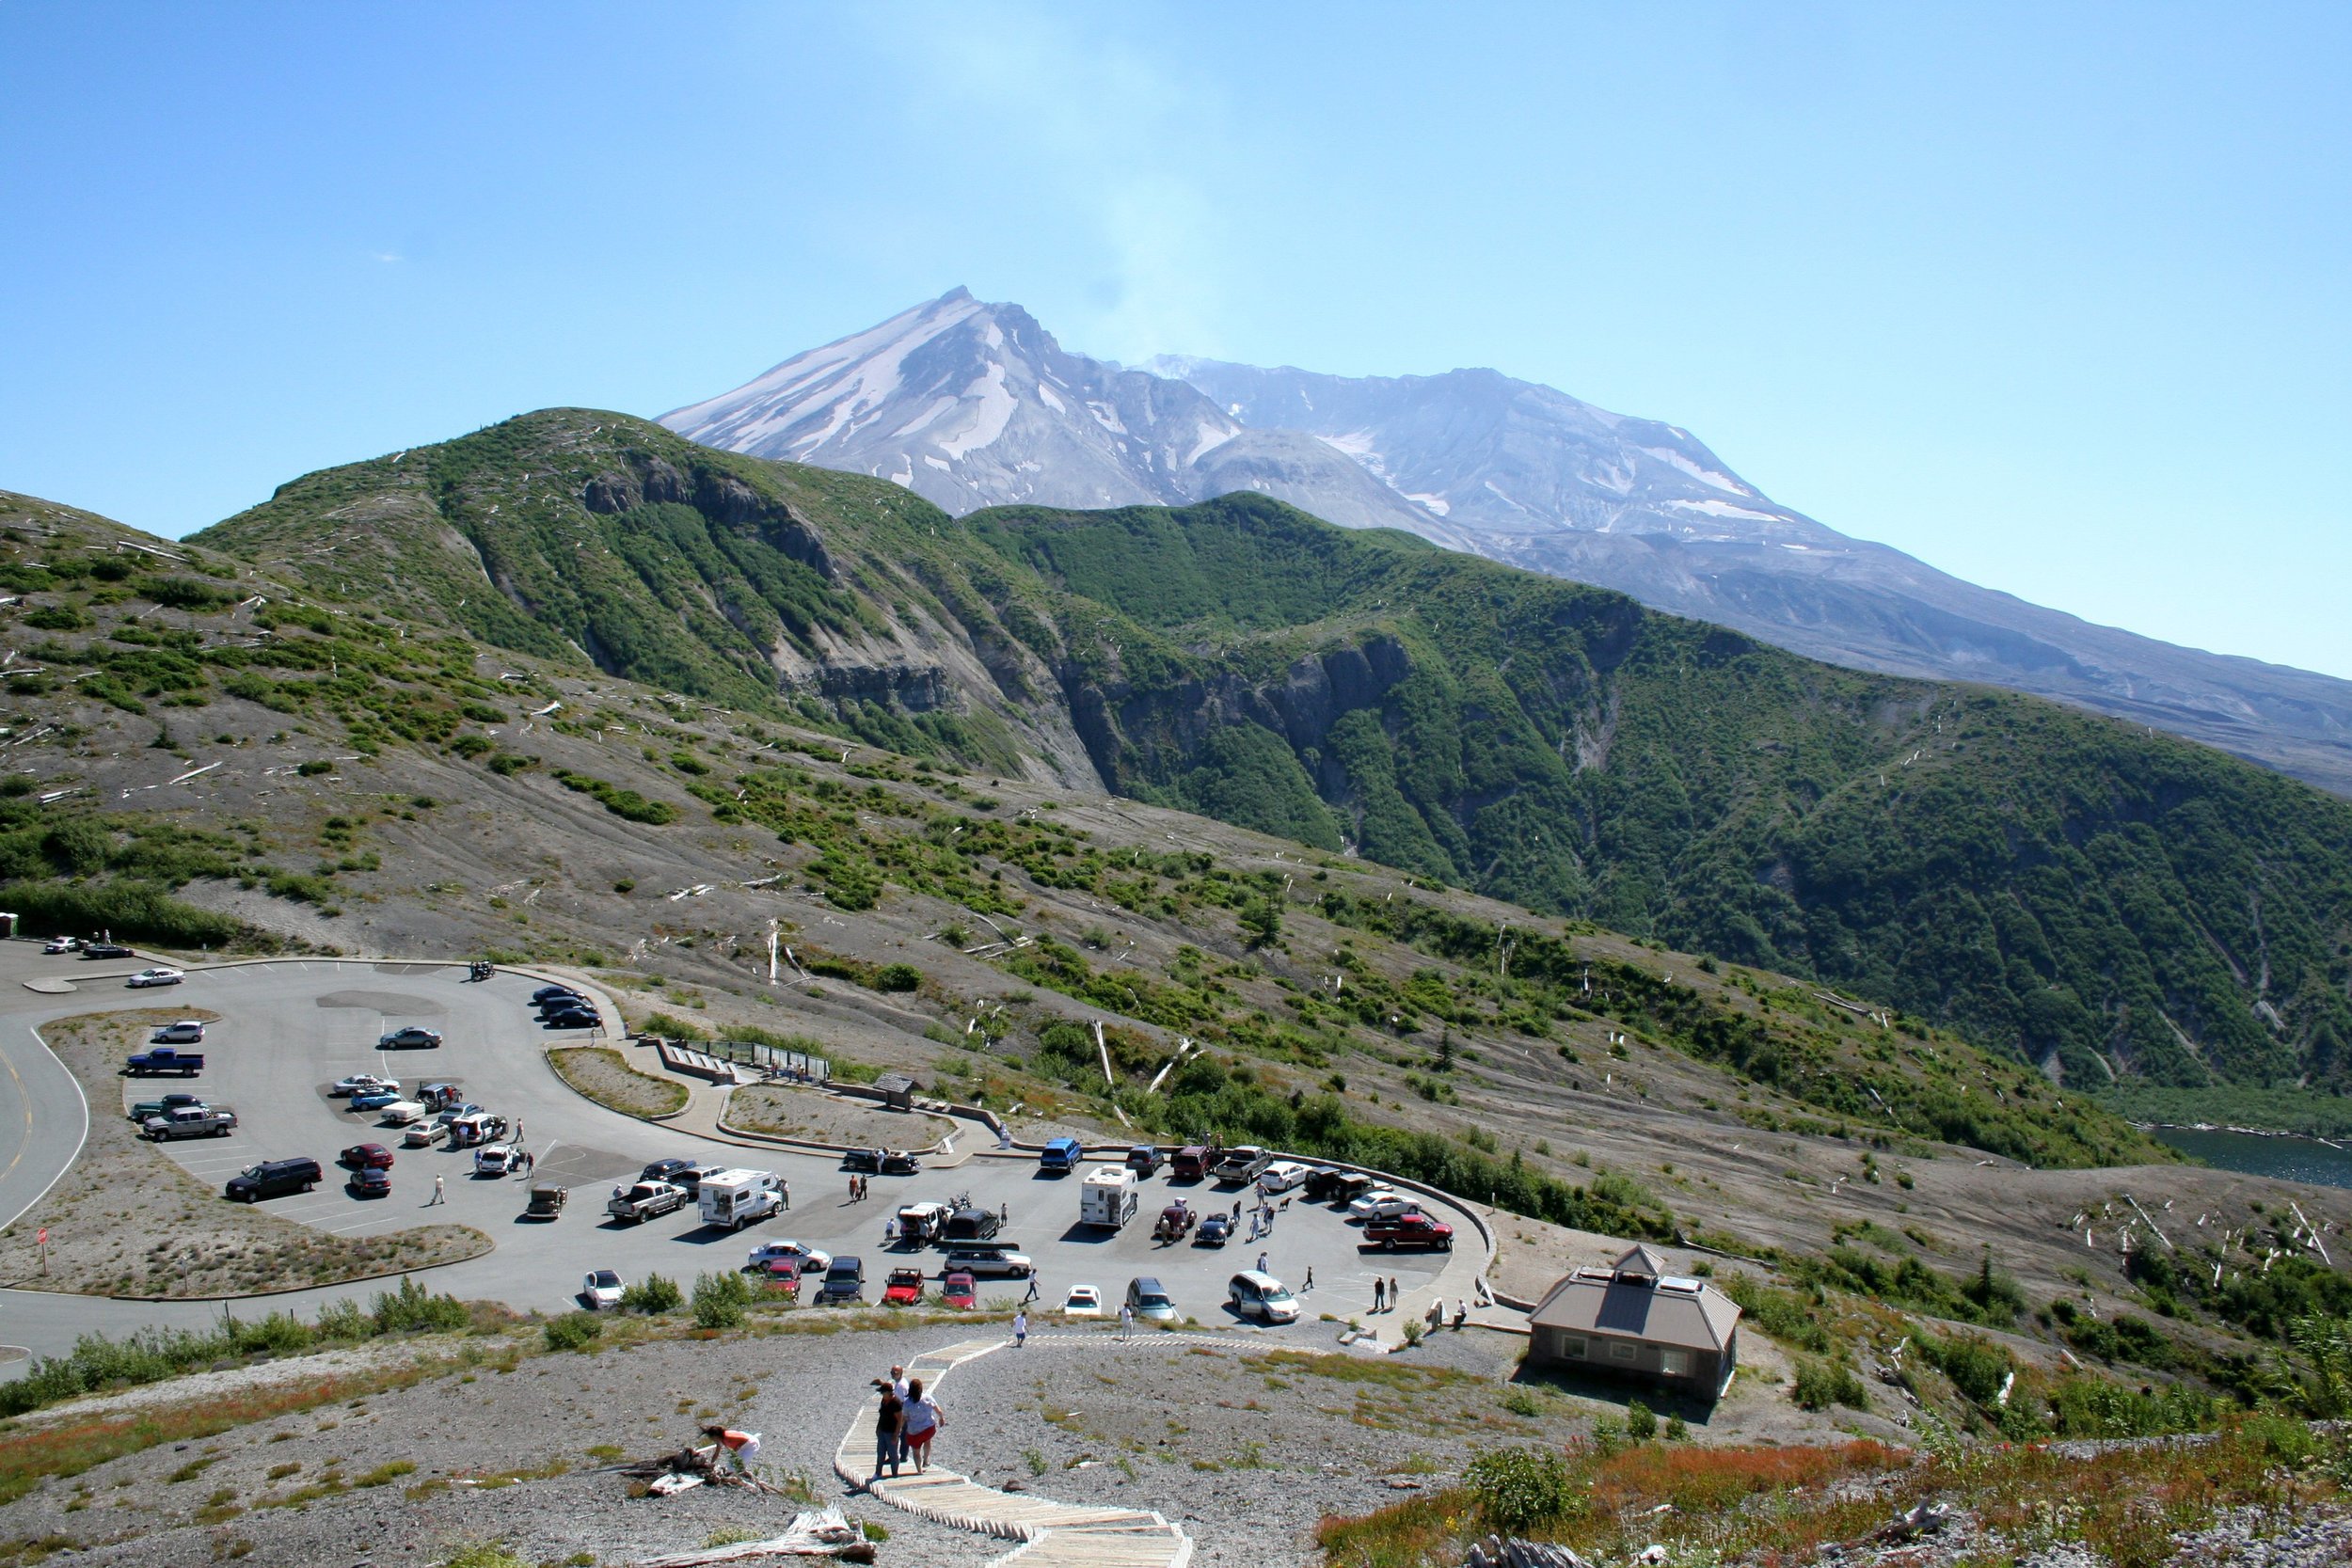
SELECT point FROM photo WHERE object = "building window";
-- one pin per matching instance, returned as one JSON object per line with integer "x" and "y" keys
{"x": 1572, "y": 1347}
{"x": 1624, "y": 1351}
{"x": 1675, "y": 1363}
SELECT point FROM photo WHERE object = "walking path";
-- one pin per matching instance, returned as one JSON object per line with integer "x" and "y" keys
{"x": 1053, "y": 1535}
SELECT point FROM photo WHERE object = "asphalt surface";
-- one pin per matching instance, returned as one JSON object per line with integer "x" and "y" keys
{"x": 289, "y": 1029}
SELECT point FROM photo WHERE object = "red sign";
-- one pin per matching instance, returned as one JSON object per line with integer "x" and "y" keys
{"x": 44, "y": 1235}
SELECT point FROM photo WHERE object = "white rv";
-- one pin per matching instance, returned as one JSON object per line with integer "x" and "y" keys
{"x": 1107, "y": 1197}
{"x": 735, "y": 1197}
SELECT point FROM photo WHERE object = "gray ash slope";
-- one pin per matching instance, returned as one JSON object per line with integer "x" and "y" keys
{"x": 972, "y": 404}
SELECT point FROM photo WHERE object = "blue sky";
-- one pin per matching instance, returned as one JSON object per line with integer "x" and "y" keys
{"x": 2055, "y": 298}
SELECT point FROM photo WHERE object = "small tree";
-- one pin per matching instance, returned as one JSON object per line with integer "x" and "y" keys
{"x": 1523, "y": 1489}
{"x": 719, "y": 1299}
{"x": 1262, "y": 918}
{"x": 1640, "y": 1423}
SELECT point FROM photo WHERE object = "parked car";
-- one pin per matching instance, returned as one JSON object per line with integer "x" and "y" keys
{"x": 1262, "y": 1296}
{"x": 159, "y": 1059}
{"x": 1415, "y": 1229}
{"x": 1239, "y": 1165}
{"x": 423, "y": 1134}
{"x": 1147, "y": 1298}
{"x": 63, "y": 944}
{"x": 440, "y": 1097}
{"x": 991, "y": 1258}
{"x": 971, "y": 1224}
{"x": 365, "y": 1082}
{"x": 642, "y": 1200}
{"x": 106, "y": 950}
{"x": 1083, "y": 1300}
{"x": 1216, "y": 1231}
{"x": 1323, "y": 1183}
{"x": 370, "y": 1184}
{"x": 811, "y": 1260}
{"x": 782, "y": 1274}
{"x": 600, "y": 1289}
{"x": 190, "y": 1122}
{"x": 410, "y": 1039}
{"x": 164, "y": 1106}
{"x": 549, "y": 993}
{"x": 452, "y": 1114}
{"x": 904, "y": 1288}
{"x": 845, "y": 1281}
{"x": 546, "y": 1202}
{"x": 570, "y": 1018}
{"x": 921, "y": 1223}
{"x": 1190, "y": 1163}
{"x": 158, "y": 976}
{"x": 367, "y": 1157}
{"x": 186, "y": 1032}
{"x": 493, "y": 1160}
{"x": 274, "y": 1179}
{"x": 1059, "y": 1157}
{"x": 1382, "y": 1204}
{"x": 1282, "y": 1176}
{"x": 959, "y": 1290}
{"x": 664, "y": 1171}
{"x": 375, "y": 1100}
{"x": 1144, "y": 1160}
{"x": 868, "y": 1160}
{"x": 899, "y": 1161}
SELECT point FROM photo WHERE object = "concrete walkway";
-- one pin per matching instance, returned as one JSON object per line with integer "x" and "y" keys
{"x": 1053, "y": 1535}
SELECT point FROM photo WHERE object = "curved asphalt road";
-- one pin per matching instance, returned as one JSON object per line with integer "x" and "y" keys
{"x": 288, "y": 1028}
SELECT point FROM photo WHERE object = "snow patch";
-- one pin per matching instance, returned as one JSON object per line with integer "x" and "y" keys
{"x": 1356, "y": 444}
{"x": 845, "y": 377}
{"x": 1207, "y": 441}
{"x": 1107, "y": 416}
{"x": 1046, "y": 395}
{"x": 939, "y": 406}
{"x": 1705, "y": 476}
{"x": 1436, "y": 503}
{"x": 996, "y": 403}
{"x": 1725, "y": 509}
{"x": 940, "y": 463}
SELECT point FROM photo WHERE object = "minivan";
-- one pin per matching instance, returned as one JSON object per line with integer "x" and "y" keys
{"x": 274, "y": 1179}
{"x": 1190, "y": 1163}
{"x": 845, "y": 1281}
{"x": 1144, "y": 1160}
{"x": 1147, "y": 1298}
{"x": 1262, "y": 1296}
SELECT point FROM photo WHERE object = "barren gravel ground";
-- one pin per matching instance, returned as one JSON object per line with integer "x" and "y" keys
{"x": 129, "y": 1221}
{"x": 820, "y": 1118}
{"x": 601, "y": 1074}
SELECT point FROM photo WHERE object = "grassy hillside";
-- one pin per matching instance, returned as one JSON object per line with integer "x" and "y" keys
{"x": 2113, "y": 905}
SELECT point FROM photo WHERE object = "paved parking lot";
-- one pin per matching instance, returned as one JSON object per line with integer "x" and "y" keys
{"x": 288, "y": 1030}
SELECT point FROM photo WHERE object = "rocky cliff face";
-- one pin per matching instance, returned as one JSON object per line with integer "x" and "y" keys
{"x": 973, "y": 405}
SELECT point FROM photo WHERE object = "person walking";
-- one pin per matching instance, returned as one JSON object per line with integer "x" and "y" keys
{"x": 1020, "y": 1330}
{"x": 440, "y": 1192}
{"x": 1033, "y": 1289}
{"x": 923, "y": 1421}
{"x": 1310, "y": 1278}
{"x": 899, "y": 1382}
{"x": 787, "y": 1189}
{"x": 890, "y": 1232}
{"x": 1126, "y": 1319}
{"x": 890, "y": 1424}
{"x": 1261, "y": 1264}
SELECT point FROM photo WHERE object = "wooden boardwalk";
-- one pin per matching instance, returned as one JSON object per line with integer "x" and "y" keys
{"x": 1052, "y": 1534}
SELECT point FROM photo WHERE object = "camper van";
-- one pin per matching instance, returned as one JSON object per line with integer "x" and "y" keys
{"x": 1107, "y": 1197}
{"x": 735, "y": 1197}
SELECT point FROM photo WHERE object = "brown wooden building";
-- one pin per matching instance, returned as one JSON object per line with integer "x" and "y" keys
{"x": 1636, "y": 1321}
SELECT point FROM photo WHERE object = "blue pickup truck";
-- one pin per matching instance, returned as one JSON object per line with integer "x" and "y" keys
{"x": 163, "y": 1059}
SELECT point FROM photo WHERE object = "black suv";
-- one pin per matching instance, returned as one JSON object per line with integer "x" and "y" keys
{"x": 972, "y": 1225}
{"x": 274, "y": 1179}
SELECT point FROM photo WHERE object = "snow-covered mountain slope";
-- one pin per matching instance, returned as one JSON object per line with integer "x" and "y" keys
{"x": 974, "y": 404}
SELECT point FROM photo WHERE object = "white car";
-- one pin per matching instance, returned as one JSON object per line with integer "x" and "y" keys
{"x": 362, "y": 1082}
{"x": 1282, "y": 1176}
{"x": 146, "y": 977}
{"x": 600, "y": 1289}
{"x": 63, "y": 944}
{"x": 493, "y": 1160}
{"x": 810, "y": 1259}
{"x": 1083, "y": 1300}
{"x": 1381, "y": 1204}
{"x": 186, "y": 1032}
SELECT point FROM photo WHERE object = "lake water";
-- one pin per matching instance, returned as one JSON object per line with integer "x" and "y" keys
{"x": 2287, "y": 1159}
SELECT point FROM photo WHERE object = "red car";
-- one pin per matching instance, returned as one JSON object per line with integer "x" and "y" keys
{"x": 1408, "y": 1230}
{"x": 957, "y": 1291}
{"x": 782, "y": 1274}
{"x": 905, "y": 1288}
{"x": 368, "y": 1157}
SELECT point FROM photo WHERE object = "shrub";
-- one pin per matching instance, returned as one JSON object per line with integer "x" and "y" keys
{"x": 573, "y": 1330}
{"x": 1978, "y": 1368}
{"x": 719, "y": 1299}
{"x": 653, "y": 1293}
{"x": 1641, "y": 1423}
{"x": 1523, "y": 1489}
{"x": 897, "y": 977}
{"x": 1822, "y": 1384}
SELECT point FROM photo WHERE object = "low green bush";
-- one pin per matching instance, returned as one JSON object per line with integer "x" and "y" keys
{"x": 1520, "y": 1489}
{"x": 573, "y": 1330}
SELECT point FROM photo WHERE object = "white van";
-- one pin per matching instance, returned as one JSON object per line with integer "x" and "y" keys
{"x": 1107, "y": 1197}
{"x": 735, "y": 1197}
{"x": 1262, "y": 1296}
